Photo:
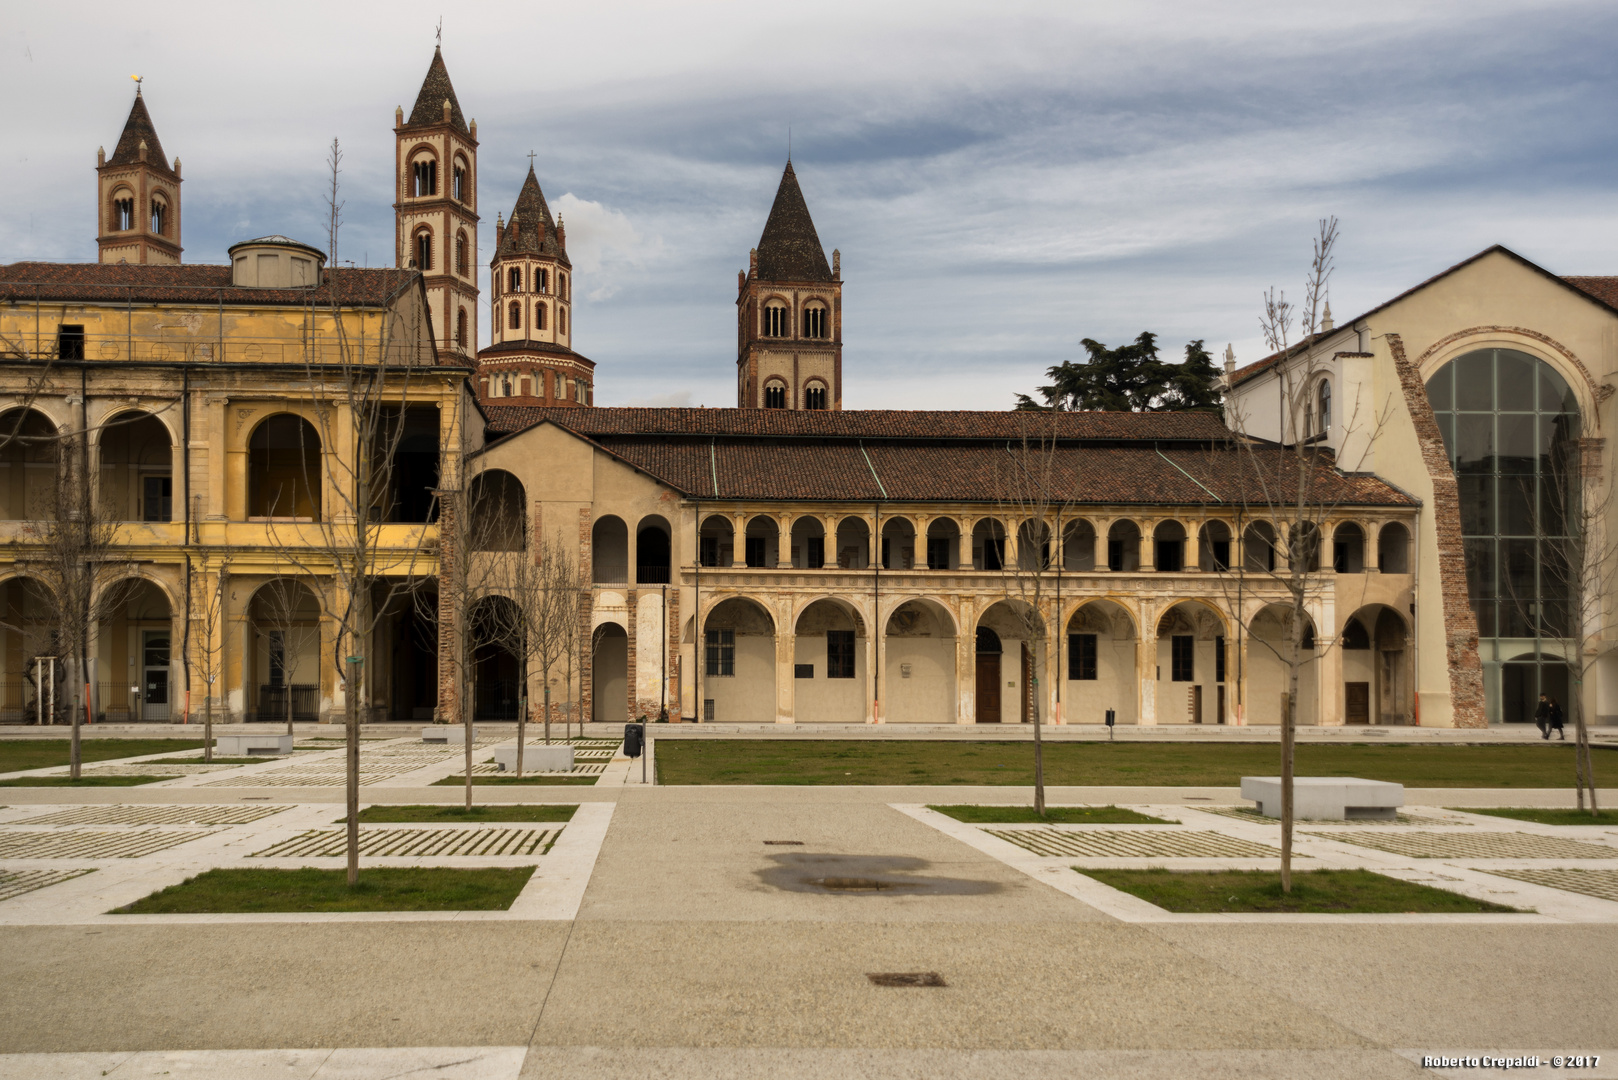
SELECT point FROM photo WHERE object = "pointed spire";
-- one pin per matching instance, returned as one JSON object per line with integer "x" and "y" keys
{"x": 530, "y": 230}
{"x": 436, "y": 92}
{"x": 790, "y": 250}
{"x": 138, "y": 135}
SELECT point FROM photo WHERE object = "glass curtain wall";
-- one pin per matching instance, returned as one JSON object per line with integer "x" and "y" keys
{"x": 1511, "y": 425}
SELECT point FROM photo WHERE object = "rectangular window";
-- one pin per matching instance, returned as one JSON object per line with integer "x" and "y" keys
{"x": 278, "y": 658}
{"x": 755, "y": 551}
{"x": 994, "y": 554}
{"x": 814, "y": 552}
{"x": 1115, "y": 555}
{"x": 721, "y": 653}
{"x": 157, "y": 498}
{"x": 1081, "y": 657}
{"x": 839, "y": 654}
{"x": 1183, "y": 648}
{"x": 710, "y": 551}
{"x": 1221, "y": 554}
{"x": 1219, "y": 659}
{"x": 938, "y": 553}
{"x": 70, "y": 342}
{"x": 1168, "y": 556}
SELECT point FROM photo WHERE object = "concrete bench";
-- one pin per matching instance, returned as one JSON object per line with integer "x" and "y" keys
{"x": 535, "y": 758}
{"x": 1326, "y": 798}
{"x": 253, "y": 745}
{"x": 448, "y": 734}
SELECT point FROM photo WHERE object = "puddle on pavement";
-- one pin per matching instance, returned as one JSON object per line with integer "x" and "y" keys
{"x": 865, "y": 875}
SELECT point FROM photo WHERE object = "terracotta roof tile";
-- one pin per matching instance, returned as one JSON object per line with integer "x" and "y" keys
{"x": 196, "y": 283}
{"x": 531, "y": 229}
{"x": 429, "y": 107}
{"x": 790, "y": 249}
{"x": 138, "y": 128}
{"x": 1604, "y": 289}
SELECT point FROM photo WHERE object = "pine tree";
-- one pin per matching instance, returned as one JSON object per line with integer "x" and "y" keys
{"x": 1130, "y": 378}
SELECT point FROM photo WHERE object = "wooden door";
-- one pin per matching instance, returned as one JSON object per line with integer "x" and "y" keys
{"x": 1196, "y": 704}
{"x": 1219, "y": 704}
{"x": 1357, "y": 702}
{"x": 988, "y": 710}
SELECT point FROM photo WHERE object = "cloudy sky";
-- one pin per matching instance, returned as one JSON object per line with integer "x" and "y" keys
{"x": 1003, "y": 179}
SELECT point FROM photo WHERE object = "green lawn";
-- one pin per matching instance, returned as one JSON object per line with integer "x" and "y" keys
{"x": 426, "y": 888}
{"x": 19, "y": 754}
{"x": 83, "y": 781}
{"x": 1057, "y": 815}
{"x": 803, "y": 761}
{"x": 1544, "y": 817}
{"x": 1359, "y": 891}
{"x": 460, "y": 781}
{"x": 518, "y": 812}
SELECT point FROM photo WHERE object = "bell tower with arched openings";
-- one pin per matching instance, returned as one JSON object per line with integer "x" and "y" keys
{"x": 436, "y": 212}
{"x": 137, "y": 196}
{"x": 789, "y": 313}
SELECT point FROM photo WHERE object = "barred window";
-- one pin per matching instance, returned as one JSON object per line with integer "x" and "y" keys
{"x": 839, "y": 654}
{"x": 721, "y": 653}
{"x": 1183, "y": 649}
{"x": 1081, "y": 657}
{"x": 775, "y": 320}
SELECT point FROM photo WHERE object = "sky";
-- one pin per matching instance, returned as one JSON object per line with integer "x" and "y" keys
{"x": 1003, "y": 179}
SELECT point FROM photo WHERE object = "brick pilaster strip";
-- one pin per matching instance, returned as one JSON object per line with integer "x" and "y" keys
{"x": 1460, "y": 623}
{"x": 674, "y": 688}
{"x": 630, "y": 701}
{"x": 586, "y": 603}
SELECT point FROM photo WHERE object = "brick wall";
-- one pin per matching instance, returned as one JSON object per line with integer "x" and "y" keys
{"x": 1460, "y": 624}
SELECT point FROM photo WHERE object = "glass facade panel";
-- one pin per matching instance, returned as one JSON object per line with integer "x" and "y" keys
{"x": 1510, "y": 423}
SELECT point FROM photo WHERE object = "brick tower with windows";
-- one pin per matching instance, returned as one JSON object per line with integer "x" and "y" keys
{"x": 436, "y": 212}
{"x": 789, "y": 313}
{"x": 530, "y": 358}
{"x": 138, "y": 196}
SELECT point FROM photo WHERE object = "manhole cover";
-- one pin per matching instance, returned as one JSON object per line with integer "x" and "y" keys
{"x": 906, "y": 978}
{"x": 865, "y": 875}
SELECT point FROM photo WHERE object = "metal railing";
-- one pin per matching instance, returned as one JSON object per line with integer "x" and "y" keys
{"x": 272, "y": 704}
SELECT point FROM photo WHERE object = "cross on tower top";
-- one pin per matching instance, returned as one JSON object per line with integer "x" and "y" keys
{"x": 530, "y": 160}
{"x": 439, "y": 35}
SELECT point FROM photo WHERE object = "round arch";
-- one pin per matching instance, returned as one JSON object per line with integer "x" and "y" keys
{"x": 284, "y": 478}
{"x": 283, "y": 667}
{"x": 736, "y": 661}
{"x": 497, "y": 508}
{"x": 1099, "y": 663}
{"x": 918, "y": 663}
{"x": 830, "y": 665}
{"x": 28, "y": 461}
{"x": 1377, "y": 683}
{"x": 1005, "y": 680}
{"x": 1268, "y": 669}
{"x": 1192, "y": 660}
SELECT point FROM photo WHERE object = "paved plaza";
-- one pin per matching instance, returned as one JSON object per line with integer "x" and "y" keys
{"x": 687, "y": 932}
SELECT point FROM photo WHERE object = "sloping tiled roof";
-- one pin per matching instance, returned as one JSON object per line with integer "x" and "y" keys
{"x": 531, "y": 230}
{"x": 139, "y": 128}
{"x": 429, "y": 107}
{"x": 870, "y": 423}
{"x": 195, "y": 283}
{"x": 522, "y": 346}
{"x": 1604, "y": 289}
{"x": 790, "y": 250}
{"x": 1178, "y": 459}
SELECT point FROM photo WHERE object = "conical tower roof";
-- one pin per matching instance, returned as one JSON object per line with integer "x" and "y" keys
{"x": 429, "y": 107}
{"x": 137, "y": 129}
{"x": 530, "y": 230}
{"x": 790, "y": 250}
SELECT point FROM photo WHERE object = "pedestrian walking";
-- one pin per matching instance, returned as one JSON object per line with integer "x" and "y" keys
{"x": 1542, "y": 716}
{"x": 1555, "y": 720}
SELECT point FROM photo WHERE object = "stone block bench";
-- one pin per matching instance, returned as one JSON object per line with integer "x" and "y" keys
{"x": 1326, "y": 798}
{"x": 448, "y": 734}
{"x": 535, "y": 759}
{"x": 253, "y": 745}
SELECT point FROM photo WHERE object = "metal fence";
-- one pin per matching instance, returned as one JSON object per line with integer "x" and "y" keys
{"x": 272, "y": 704}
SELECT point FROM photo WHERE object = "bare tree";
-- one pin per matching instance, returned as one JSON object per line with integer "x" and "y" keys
{"x": 281, "y": 610}
{"x": 1035, "y": 492}
{"x": 1578, "y": 572}
{"x": 208, "y": 594}
{"x": 542, "y": 619}
{"x": 1286, "y": 491}
{"x": 349, "y": 449}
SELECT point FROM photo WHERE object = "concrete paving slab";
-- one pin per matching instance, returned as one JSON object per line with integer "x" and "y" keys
{"x": 441, "y": 1063}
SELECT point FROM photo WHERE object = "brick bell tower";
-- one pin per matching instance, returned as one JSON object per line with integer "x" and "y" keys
{"x": 436, "y": 212}
{"x": 137, "y": 196}
{"x": 789, "y": 313}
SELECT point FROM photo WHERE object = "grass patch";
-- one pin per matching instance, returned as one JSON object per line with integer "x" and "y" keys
{"x": 19, "y": 754}
{"x": 414, "y": 888}
{"x": 461, "y": 813}
{"x": 1342, "y": 891}
{"x": 1544, "y": 817}
{"x": 1056, "y": 815}
{"x": 83, "y": 781}
{"x": 460, "y": 781}
{"x": 835, "y": 761}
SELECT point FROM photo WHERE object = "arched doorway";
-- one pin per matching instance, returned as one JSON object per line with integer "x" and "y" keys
{"x": 1101, "y": 659}
{"x": 1006, "y": 677}
{"x": 1269, "y": 669}
{"x": 283, "y": 679}
{"x": 28, "y": 460}
{"x": 284, "y": 478}
{"x": 829, "y": 668}
{"x": 495, "y": 505}
{"x": 136, "y": 652}
{"x": 653, "y": 555}
{"x": 919, "y": 664}
{"x": 497, "y": 670}
{"x": 33, "y": 690}
{"x": 1191, "y": 665}
{"x": 609, "y": 675}
{"x": 609, "y": 551}
{"x": 137, "y": 469}
{"x": 738, "y": 663}
{"x": 1377, "y": 687}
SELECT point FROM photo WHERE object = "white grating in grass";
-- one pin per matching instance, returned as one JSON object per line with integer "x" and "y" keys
{"x": 1602, "y": 884}
{"x": 580, "y": 768}
{"x": 82, "y": 844}
{"x": 1247, "y": 813}
{"x": 154, "y": 815}
{"x": 17, "y": 882}
{"x": 414, "y": 843}
{"x": 298, "y": 779}
{"x": 1133, "y": 844}
{"x": 156, "y": 768}
{"x": 1477, "y": 844}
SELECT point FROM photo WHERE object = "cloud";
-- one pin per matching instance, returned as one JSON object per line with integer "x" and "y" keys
{"x": 599, "y": 240}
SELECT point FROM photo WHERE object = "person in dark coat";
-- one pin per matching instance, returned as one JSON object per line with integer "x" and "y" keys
{"x": 1555, "y": 720}
{"x": 1542, "y": 716}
